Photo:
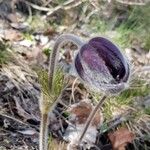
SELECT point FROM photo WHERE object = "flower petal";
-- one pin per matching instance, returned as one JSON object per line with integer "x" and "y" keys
{"x": 78, "y": 67}
{"x": 102, "y": 66}
{"x": 112, "y": 57}
{"x": 93, "y": 66}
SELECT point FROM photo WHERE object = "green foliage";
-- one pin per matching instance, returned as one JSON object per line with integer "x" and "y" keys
{"x": 104, "y": 127}
{"x": 127, "y": 96}
{"x": 147, "y": 110}
{"x": 146, "y": 42}
{"x": 66, "y": 114}
{"x": 43, "y": 80}
{"x": 4, "y": 53}
{"x": 38, "y": 24}
{"x": 56, "y": 145}
{"x": 126, "y": 99}
{"x": 49, "y": 96}
{"x": 138, "y": 17}
{"x": 57, "y": 84}
{"x": 124, "y": 37}
{"x": 47, "y": 51}
{"x": 98, "y": 25}
{"x": 134, "y": 28}
{"x": 107, "y": 109}
{"x": 28, "y": 36}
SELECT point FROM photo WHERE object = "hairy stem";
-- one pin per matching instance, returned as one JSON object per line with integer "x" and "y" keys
{"x": 52, "y": 64}
{"x": 91, "y": 117}
{"x": 61, "y": 40}
{"x": 43, "y": 132}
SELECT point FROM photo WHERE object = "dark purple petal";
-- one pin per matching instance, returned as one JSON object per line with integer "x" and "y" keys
{"x": 113, "y": 58}
{"x": 94, "y": 69}
{"x": 79, "y": 67}
{"x": 91, "y": 58}
{"x": 102, "y": 66}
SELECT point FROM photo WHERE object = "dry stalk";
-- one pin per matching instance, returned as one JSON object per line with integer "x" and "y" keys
{"x": 131, "y": 3}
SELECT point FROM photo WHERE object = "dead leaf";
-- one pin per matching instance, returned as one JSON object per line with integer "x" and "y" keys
{"x": 49, "y": 32}
{"x": 78, "y": 115}
{"x": 35, "y": 56}
{"x": 12, "y": 35}
{"x": 82, "y": 111}
{"x": 121, "y": 138}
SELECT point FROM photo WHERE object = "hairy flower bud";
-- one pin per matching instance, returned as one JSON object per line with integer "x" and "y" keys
{"x": 102, "y": 66}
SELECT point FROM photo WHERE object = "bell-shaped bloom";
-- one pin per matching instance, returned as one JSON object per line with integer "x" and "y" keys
{"x": 101, "y": 66}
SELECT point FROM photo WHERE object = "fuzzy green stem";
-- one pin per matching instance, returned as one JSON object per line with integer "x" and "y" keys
{"x": 91, "y": 117}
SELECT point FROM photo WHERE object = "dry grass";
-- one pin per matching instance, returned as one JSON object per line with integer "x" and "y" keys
{"x": 55, "y": 145}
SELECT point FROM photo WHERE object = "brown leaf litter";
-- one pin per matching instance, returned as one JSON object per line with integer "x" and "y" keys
{"x": 79, "y": 113}
{"x": 121, "y": 138}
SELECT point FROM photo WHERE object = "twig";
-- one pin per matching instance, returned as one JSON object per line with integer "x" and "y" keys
{"x": 49, "y": 1}
{"x": 30, "y": 14}
{"x": 50, "y": 11}
{"x": 131, "y": 3}
{"x": 73, "y": 90}
{"x": 89, "y": 15}
{"x": 12, "y": 118}
{"x": 65, "y": 7}
{"x": 62, "y": 117}
{"x": 72, "y": 6}
{"x": 37, "y": 7}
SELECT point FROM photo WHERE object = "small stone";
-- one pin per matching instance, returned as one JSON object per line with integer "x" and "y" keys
{"x": 27, "y": 43}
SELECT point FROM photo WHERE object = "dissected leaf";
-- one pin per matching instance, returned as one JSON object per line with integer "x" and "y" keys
{"x": 120, "y": 138}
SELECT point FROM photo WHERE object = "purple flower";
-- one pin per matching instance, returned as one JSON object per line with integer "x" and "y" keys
{"x": 102, "y": 66}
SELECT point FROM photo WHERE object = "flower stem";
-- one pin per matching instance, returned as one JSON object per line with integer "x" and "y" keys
{"x": 91, "y": 117}
{"x": 43, "y": 132}
{"x": 61, "y": 40}
{"x": 53, "y": 60}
